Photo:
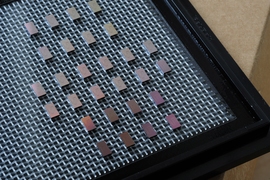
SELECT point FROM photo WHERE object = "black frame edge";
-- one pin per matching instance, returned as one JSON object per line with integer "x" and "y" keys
{"x": 3, "y": 2}
{"x": 211, "y": 43}
{"x": 246, "y": 136}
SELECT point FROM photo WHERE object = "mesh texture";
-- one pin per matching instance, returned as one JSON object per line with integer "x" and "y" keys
{"x": 35, "y": 147}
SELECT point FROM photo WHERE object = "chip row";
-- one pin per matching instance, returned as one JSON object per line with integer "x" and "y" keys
{"x": 75, "y": 102}
{"x": 84, "y": 72}
{"x": 89, "y": 38}
{"x": 147, "y": 127}
{"x": 74, "y": 15}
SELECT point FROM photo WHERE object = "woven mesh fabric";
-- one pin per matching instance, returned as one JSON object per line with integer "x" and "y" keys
{"x": 35, "y": 147}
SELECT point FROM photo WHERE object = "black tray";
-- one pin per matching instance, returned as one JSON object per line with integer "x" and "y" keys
{"x": 200, "y": 156}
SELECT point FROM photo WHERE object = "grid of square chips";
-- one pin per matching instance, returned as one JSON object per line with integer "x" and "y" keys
{"x": 96, "y": 91}
{"x": 69, "y": 142}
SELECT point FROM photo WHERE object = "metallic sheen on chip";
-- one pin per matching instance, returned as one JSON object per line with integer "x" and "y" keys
{"x": 74, "y": 101}
{"x": 105, "y": 63}
{"x": 84, "y": 71}
{"x": 127, "y": 54}
{"x": 31, "y": 28}
{"x": 45, "y": 53}
{"x": 127, "y": 139}
{"x": 66, "y": 44}
{"x": 133, "y": 106}
{"x": 111, "y": 114}
{"x": 174, "y": 123}
{"x": 110, "y": 29}
{"x": 73, "y": 13}
{"x": 103, "y": 148}
{"x": 119, "y": 84}
{"x": 163, "y": 66}
{"x": 149, "y": 130}
{"x": 38, "y": 89}
{"x": 156, "y": 97}
{"x": 51, "y": 20}
{"x": 96, "y": 92}
{"x": 149, "y": 47}
{"x": 142, "y": 75}
{"x": 51, "y": 110}
{"x": 94, "y": 6}
{"x": 61, "y": 79}
{"x": 88, "y": 123}
{"x": 88, "y": 37}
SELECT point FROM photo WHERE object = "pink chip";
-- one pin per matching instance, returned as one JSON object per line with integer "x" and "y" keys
{"x": 174, "y": 123}
{"x": 163, "y": 66}
{"x": 156, "y": 97}
{"x": 31, "y": 28}
{"x": 149, "y": 130}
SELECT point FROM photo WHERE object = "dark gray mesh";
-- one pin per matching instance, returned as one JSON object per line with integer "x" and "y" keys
{"x": 35, "y": 147}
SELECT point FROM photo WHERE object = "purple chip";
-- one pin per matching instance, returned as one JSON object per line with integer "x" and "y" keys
{"x": 31, "y": 28}
{"x": 156, "y": 97}
{"x": 149, "y": 130}
{"x": 174, "y": 123}
{"x": 103, "y": 148}
{"x": 163, "y": 66}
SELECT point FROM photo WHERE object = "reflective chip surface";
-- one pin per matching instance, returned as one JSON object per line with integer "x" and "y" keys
{"x": 110, "y": 29}
{"x": 52, "y": 21}
{"x": 61, "y": 79}
{"x": 45, "y": 53}
{"x": 73, "y": 13}
{"x": 51, "y": 110}
{"x": 31, "y": 28}
{"x": 38, "y": 89}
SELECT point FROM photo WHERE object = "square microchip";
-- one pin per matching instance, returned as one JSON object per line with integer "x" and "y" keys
{"x": 103, "y": 148}
{"x": 105, "y": 63}
{"x": 51, "y": 110}
{"x": 96, "y": 92}
{"x": 31, "y": 28}
{"x": 88, "y": 37}
{"x": 133, "y": 106}
{"x": 110, "y": 29}
{"x": 156, "y": 97}
{"x": 127, "y": 54}
{"x": 74, "y": 101}
{"x": 51, "y": 20}
{"x": 67, "y": 46}
{"x": 163, "y": 66}
{"x": 119, "y": 84}
{"x": 142, "y": 75}
{"x": 83, "y": 70}
{"x": 127, "y": 139}
{"x": 61, "y": 79}
{"x": 111, "y": 114}
{"x": 149, "y": 47}
{"x": 38, "y": 89}
{"x": 73, "y": 13}
{"x": 45, "y": 53}
{"x": 88, "y": 123}
{"x": 174, "y": 123}
{"x": 149, "y": 130}
{"x": 95, "y": 8}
